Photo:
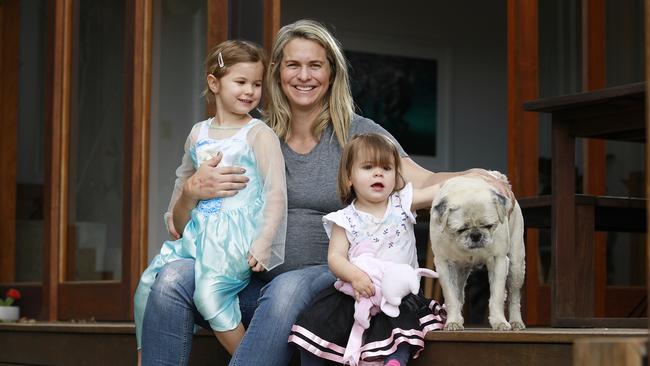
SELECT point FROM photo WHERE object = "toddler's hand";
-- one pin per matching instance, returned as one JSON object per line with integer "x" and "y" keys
{"x": 363, "y": 286}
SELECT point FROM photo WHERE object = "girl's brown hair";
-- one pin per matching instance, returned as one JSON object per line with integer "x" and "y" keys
{"x": 373, "y": 147}
{"x": 228, "y": 53}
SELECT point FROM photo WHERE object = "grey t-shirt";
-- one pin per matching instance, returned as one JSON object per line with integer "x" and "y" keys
{"x": 311, "y": 194}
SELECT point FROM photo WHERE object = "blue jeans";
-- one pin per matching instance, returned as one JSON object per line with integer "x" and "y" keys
{"x": 268, "y": 312}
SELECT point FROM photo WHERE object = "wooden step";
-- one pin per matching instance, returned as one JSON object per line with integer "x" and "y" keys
{"x": 114, "y": 344}
{"x": 531, "y": 347}
{"x": 604, "y": 351}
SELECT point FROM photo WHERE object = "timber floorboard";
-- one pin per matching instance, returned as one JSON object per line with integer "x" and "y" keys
{"x": 60, "y": 343}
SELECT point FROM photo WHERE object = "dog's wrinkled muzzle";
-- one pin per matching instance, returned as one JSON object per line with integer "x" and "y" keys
{"x": 475, "y": 240}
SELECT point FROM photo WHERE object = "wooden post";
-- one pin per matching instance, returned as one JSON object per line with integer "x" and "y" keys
{"x": 138, "y": 112}
{"x": 218, "y": 25}
{"x": 647, "y": 131}
{"x": 623, "y": 351}
{"x": 522, "y": 126}
{"x": 9, "y": 46}
{"x": 594, "y": 77}
{"x": 271, "y": 22}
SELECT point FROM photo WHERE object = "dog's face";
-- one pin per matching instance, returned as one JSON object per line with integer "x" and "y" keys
{"x": 469, "y": 213}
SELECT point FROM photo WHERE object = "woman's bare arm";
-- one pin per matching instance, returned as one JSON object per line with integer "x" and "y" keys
{"x": 420, "y": 177}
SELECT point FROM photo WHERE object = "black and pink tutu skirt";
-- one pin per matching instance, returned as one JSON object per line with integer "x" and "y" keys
{"x": 324, "y": 329}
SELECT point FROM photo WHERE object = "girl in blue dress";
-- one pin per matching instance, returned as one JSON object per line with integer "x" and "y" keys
{"x": 229, "y": 236}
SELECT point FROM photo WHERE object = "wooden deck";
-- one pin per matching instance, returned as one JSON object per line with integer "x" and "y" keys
{"x": 114, "y": 344}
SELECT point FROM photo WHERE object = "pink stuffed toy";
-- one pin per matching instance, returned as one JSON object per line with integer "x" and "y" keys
{"x": 392, "y": 282}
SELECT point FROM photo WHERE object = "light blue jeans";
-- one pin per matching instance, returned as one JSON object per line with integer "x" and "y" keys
{"x": 268, "y": 312}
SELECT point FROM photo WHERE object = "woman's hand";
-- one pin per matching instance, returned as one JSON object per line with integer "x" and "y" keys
{"x": 211, "y": 180}
{"x": 496, "y": 180}
{"x": 362, "y": 285}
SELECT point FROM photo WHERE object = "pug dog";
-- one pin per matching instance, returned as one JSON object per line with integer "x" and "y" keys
{"x": 473, "y": 225}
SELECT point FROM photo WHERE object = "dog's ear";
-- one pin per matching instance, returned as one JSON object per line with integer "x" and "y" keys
{"x": 442, "y": 212}
{"x": 501, "y": 202}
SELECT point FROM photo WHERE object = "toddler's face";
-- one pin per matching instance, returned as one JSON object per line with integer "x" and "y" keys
{"x": 372, "y": 182}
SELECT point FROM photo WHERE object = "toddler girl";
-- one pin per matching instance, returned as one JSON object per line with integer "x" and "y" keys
{"x": 379, "y": 220}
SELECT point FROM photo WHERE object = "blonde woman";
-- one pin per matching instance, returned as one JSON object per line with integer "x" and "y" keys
{"x": 310, "y": 107}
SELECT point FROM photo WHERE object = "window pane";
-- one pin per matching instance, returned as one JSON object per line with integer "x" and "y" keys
{"x": 177, "y": 81}
{"x": 96, "y": 166}
{"x": 29, "y": 148}
{"x": 625, "y": 161}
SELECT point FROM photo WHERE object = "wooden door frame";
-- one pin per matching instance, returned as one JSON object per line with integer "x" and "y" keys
{"x": 57, "y": 298}
{"x": 218, "y": 30}
{"x": 647, "y": 151}
{"x": 523, "y": 133}
{"x": 67, "y": 299}
{"x": 9, "y": 64}
{"x": 593, "y": 77}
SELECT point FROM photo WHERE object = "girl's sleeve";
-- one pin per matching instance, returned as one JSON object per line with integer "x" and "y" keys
{"x": 268, "y": 247}
{"x": 339, "y": 218}
{"x": 184, "y": 171}
{"x": 405, "y": 198}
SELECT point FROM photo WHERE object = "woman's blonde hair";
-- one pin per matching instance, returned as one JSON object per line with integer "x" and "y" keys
{"x": 228, "y": 53}
{"x": 338, "y": 105}
{"x": 373, "y": 147}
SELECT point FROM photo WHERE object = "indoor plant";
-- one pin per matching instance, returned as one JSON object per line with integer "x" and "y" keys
{"x": 8, "y": 311}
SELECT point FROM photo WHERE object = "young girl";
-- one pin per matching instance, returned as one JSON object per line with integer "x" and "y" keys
{"x": 379, "y": 216}
{"x": 228, "y": 236}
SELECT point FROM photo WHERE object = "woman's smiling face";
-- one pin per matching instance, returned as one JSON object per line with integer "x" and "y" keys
{"x": 304, "y": 74}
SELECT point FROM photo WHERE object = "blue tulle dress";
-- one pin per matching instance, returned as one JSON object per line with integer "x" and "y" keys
{"x": 222, "y": 231}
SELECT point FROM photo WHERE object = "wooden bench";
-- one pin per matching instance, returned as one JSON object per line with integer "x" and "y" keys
{"x": 592, "y": 213}
{"x": 616, "y": 113}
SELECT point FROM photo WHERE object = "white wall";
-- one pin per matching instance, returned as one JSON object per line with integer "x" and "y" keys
{"x": 471, "y": 35}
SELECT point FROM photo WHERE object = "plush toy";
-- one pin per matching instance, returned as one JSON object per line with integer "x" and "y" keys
{"x": 392, "y": 282}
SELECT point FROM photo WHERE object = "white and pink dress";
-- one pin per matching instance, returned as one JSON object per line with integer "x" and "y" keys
{"x": 324, "y": 327}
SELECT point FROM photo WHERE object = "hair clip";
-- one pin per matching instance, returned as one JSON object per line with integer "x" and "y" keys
{"x": 220, "y": 60}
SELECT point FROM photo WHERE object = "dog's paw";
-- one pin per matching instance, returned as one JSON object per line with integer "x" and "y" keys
{"x": 501, "y": 326}
{"x": 517, "y": 325}
{"x": 453, "y": 326}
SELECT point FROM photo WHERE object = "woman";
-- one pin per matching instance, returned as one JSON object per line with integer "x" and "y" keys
{"x": 310, "y": 107}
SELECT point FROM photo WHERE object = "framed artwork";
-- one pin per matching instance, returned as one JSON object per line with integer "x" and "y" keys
{"x": 399, "y": 93}
{"x": 404, "y": 87}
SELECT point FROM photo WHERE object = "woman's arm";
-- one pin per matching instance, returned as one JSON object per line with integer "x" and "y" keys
{"x": 420, "y": 177}
{"x": 209, "y": 181}
{"x": 423, "y": 197}
{"x": 337, "y": 259}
